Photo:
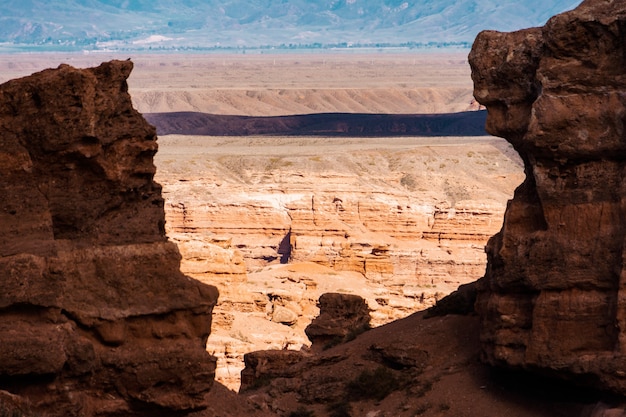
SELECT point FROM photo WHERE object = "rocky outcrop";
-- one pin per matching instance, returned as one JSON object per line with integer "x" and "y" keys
{"x": 552, "y": 298}
{"x": 391, "y": 369}
{"x": 264, "y": 365}
{"x": 341, "y": 316}
{"x": 96, "y": 318}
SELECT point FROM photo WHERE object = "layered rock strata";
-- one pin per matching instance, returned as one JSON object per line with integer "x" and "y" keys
{"x": 413, "y": 220}
{"x": 95, "y": 316}
{"x": 279, "y": 221}
{"x": 552, "y": 298}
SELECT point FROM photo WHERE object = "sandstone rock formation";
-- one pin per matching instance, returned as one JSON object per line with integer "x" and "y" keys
{"x": 413, "y": 220}
{"x": 340, "y": 315}
{"x": 95, "y": 316}
{"x": 552, "y": 298}
{"x": 263, "y": 365}
{"x": 278, "y": 221}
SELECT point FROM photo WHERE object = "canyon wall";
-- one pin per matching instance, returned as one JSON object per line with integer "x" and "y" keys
{"x": 96, "y": 318}
{"x": 411, "y": 221}
{"x": 552, "y": 298}
{"x": 278, "y": 221}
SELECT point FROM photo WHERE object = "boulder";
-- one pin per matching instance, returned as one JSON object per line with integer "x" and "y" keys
{"x": 341, "y": 317}
{"x": 284, "y": 315}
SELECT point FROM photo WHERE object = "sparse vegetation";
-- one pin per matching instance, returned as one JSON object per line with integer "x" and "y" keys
{"x": 340, "y": 409}
{"x": 277, "y": 163}
{"x": 374, "y": 385}
{"x": 240, "y": 336}
{"x": 455, "y": 192}
{"x": 408, "y": 181}
{"x": 302, "y": 412}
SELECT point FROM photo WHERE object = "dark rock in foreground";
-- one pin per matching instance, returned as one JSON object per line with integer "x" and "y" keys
{"x": 95, "y": 316}
{"x": 342, "y": 317}
{"x": 552, "y": 299}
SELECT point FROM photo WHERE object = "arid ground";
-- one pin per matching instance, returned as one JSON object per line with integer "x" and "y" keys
{"x": 281, "y": 84}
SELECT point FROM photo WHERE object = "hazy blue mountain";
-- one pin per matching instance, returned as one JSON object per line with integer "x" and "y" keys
{"x": 135, "y": 24}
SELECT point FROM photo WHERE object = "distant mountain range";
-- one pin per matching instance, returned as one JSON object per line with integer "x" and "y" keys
{"x": 202, "y": 24}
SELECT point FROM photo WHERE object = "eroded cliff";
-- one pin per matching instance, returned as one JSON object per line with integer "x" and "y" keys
{"x": 278, "y": 221}
{"x": 553, "y": 295}
{"x": 95, "y": 316}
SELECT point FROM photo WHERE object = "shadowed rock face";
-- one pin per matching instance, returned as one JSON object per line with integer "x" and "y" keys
{"x": 552, "y": 298}
{"x": 340, "y": 315}
{"x": 95, "y": 316}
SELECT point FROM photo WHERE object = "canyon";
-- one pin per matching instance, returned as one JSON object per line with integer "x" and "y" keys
{"x": 399, "y": 221}
{"x": 278, "y": 220}
{"x": 338, "y": 240}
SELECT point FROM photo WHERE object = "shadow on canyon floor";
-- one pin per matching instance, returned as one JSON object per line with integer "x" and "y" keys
{"x": 470, "y": 123}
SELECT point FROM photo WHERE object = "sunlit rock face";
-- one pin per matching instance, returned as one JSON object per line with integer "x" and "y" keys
{"x": 95, "y": 316}
{"x": 553, "y": 295}
{"x": 414, "y": 245}
{"x": 400, "y": 228}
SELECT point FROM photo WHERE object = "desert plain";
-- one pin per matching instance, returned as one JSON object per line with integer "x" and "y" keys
{"x": 275, "y": 221}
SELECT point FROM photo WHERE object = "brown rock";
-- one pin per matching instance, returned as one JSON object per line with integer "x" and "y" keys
{"x": 340, "y": 314}
{"x": 261, "y": 366}
{"x": 552, "y": 295}
{"x": 14, "y": 405}
{"x": 97, "y": 318}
